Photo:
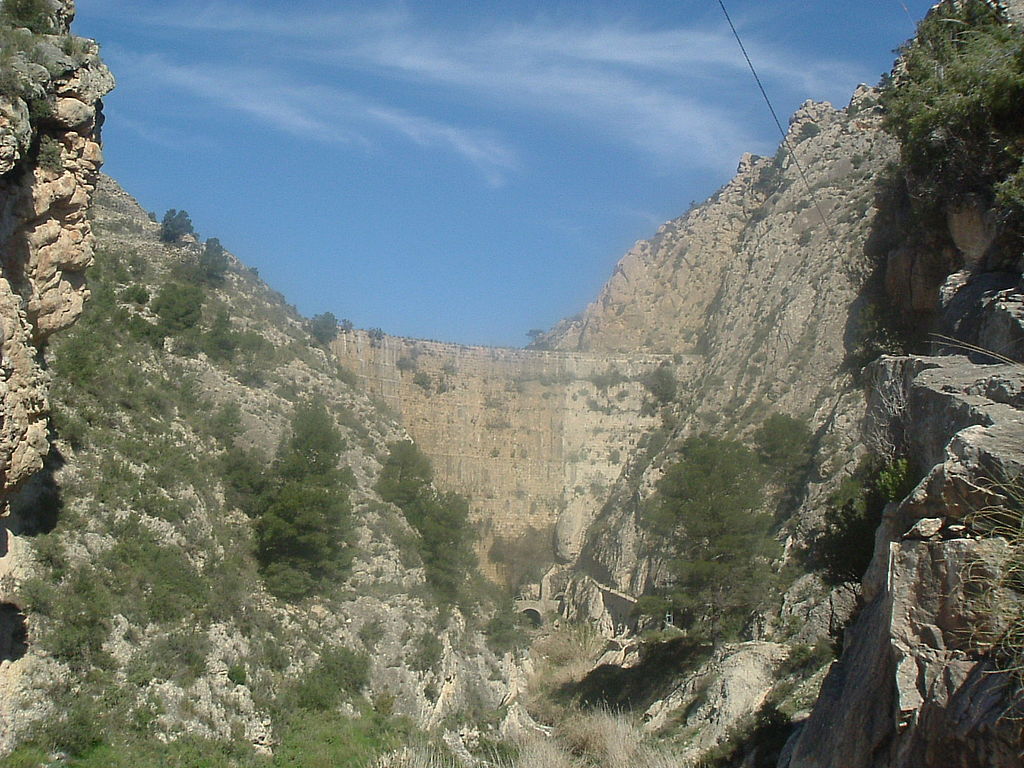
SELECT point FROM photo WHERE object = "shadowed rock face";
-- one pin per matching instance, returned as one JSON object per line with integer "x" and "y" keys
{"x": 914, "y": 685}
{"x": 45, "y": 238}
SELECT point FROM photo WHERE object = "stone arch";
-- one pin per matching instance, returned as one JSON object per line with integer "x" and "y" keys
{"x": 533, "y": 616}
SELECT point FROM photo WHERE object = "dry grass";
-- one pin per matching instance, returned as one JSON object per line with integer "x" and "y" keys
{"x": 1000, "y": 583}
{"x": 561, "y": 656}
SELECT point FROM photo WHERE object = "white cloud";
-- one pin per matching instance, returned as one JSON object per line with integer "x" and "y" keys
{"x": 656, "y": 92}
{"x": 317, "y": 111}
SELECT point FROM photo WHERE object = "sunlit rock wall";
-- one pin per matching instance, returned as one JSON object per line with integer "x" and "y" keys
{"x": 532, "y": 437}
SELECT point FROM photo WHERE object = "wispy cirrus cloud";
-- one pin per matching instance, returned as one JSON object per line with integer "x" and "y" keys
{"x": 316, "y": 111}
{"x": 655, "y": 92}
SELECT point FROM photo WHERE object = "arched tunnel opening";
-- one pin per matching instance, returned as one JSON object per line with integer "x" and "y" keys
{"x": 13, "y": 633}
{"x": 533, "y": 616}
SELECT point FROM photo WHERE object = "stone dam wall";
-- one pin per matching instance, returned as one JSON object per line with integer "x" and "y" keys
{"x": 534, "y": 438}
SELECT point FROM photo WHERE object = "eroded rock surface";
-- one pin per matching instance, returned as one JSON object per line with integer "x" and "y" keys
{"x": 48, "y": 170}
{"x": 915, "y": 685}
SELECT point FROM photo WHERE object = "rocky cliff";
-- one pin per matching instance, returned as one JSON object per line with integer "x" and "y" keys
{"x": 769, "y": 284}
{"x": 50, "y": 113}
{"x": 786, "y": 283}
{"x": 135, "y": 600}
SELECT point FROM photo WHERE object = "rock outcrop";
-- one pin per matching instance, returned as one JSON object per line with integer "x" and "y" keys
{"x": 50, "y": 114}
{"x": 916, "y": 684}
{"x": 49, "y": 161}
{"x": 766, "y": 284}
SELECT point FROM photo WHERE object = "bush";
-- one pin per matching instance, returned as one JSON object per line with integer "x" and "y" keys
{"x": 302, "y": 511}
{"x": 442, "y": 520}
{"x": 78, "y": 613}
{"x": 135, "y": 294}
{"x": 34, "y": 15}
{"x": 426, "y": 653}
{"x": 324, "y": 328}
{"x": 175, "y": 225}
{"x": 179, "y": 307}
{"x": 846, "y": 547}
{"x": 783, "y": 444}
{"x": 661, "y": 382}
{"x": 338, "y": 674}
{"x": 957, "y": 109}
{"x": 422, "y": 380}
{"x": 705, "y": 509}
{"x": 213, "y": 262}
{"x": 507, "y": 630}
{"x": 51, "y": 155}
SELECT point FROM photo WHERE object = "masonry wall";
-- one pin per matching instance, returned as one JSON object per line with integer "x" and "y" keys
{"x": 528, "y": 435}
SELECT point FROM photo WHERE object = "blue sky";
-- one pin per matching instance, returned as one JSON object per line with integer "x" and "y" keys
{"x": 458, "y": 171}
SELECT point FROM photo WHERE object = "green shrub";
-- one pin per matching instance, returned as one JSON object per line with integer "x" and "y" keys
{"x": 34, "y": 15}
{"x": 422, "y": 380}
{"x": 324, "y": 328}
{"x": 135, "y": 294}
{"x": 611, "y": 377}
{"x": 303, "y": 515}
{"x": 213, "y": 262}
{"x": 220, "y": 341}
{"x": 339, "y": 674}
{"x": 175, "y": 225}
{"x": 721, "y": 548}
{"x": 783, "y": 445}
{"x": 845, "y": 548}
{"x": 441, "y": 520}
{"x": 50, "y": 154}
{"x": 78, "y": 612}
{"x": 957, "y": 108}
{"x": 179, "y": 307}
{"x": 426, "y": 653}
{"x": 661, "y": 383}
{"x": 371, "y": 633}
{"x": 225, "y": 423}
{"x": 507, "y": 630}
{"x": 237, "y": 674}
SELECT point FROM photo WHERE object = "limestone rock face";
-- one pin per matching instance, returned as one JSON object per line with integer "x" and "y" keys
{"x": 914, "y": 686}
{"x": 764, "y": 284}
{"x": 45, "y": 237}
{"x": 45, "y": 245}
{"x": 534, "y": 438}
{"x": 730, "y": 687}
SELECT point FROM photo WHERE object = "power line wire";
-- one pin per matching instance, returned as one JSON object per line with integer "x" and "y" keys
{"x": 782, "y": 132}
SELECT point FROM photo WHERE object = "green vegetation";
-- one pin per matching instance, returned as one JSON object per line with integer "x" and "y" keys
{"x": 179, "y": 307}
{"x": 34, "y": 15}
{"x": 507, "y": 630}
{"x": 175, "y": 225}
{"x": 661, "y": 383}
{"x": 958, "y": 111}
{"x": 302, "y": 512}
{"x": 213, "y": 262}
{"x": 324, "y": 328}
{"x": 441, "y": 519}
{"x": 721, "y": 546}
{"x": 843, "y": 552}
{"x": 611, "y": 377}
{"x": 784, "y": 446}
{"x": 50, "y": 154}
